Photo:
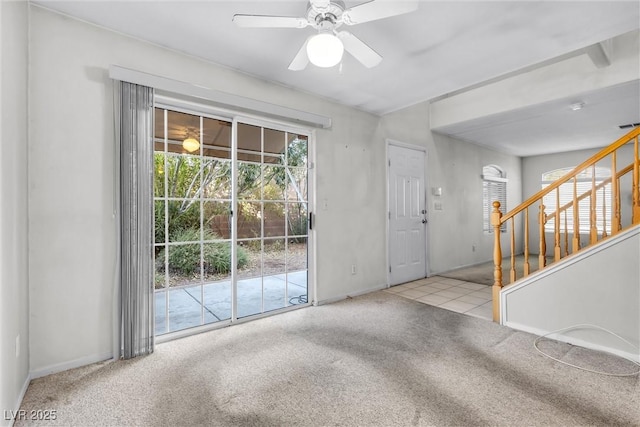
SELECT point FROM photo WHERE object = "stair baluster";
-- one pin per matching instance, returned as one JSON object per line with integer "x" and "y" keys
{"x": 497, "y": 259}
{"x": 498, "y": 218}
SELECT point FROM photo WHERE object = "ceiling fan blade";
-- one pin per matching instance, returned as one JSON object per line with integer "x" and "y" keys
{"x": 356, "y": 47}
{"x": 263, "y": 21}
{"x": 301, "y": 60}
{"x": 377, "y": 10}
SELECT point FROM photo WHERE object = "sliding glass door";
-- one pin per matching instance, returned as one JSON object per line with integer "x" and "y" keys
{"x": 272, "y": 217}
{"x": 231, "y": 212}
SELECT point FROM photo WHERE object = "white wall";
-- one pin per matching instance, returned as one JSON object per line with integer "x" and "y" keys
{"x": 599, "y": 287}
{"x": 71, "y": 154}
{"x": 72, "y": 239}
{"x": 457, "y": 228}
{"x": 14, "y": 297}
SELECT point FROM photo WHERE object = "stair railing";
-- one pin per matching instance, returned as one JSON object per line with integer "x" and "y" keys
{"x": 560, "y": 215}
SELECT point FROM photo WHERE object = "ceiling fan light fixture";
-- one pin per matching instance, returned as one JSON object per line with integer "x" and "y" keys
{"x": 325, "y": 50}
{"x": 190, "y": 144}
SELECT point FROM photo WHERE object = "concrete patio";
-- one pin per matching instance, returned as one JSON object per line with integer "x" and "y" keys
{"x": 188, "y": 304}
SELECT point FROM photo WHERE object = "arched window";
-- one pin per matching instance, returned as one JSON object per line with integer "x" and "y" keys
{"x": 603, "y": 199}
{"x": 494, "y": 187}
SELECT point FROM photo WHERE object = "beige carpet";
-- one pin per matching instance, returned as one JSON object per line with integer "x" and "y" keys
{"x": 375, "y": 360}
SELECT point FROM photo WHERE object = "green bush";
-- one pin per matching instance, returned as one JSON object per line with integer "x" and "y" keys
{"x": 185, "y": 259}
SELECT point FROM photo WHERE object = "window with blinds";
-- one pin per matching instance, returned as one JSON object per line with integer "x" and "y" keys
{"x": 494, "y": 187}
{"x": 583, "y": 185}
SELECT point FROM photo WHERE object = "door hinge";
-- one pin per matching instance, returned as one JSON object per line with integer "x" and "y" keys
{"x": 389, "y": 214}
{"x": 389, "y": 163}
{"x": 389, "y": 269}
{"x": 310, "y": 220}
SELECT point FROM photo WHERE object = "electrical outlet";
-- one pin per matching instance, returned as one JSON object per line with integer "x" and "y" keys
{"x": 353, "y": 269}
{"x": 18, "y": 345}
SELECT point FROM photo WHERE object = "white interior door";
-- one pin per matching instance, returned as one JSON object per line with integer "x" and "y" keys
{"x": 407, "y": 214}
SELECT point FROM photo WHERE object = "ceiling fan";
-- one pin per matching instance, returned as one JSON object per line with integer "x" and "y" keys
{"x": 325, "y": 49}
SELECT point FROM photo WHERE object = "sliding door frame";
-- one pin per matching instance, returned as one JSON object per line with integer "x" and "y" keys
{"x": 236, "y": 118}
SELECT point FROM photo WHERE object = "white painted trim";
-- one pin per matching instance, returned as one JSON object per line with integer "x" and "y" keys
{"x": 573, "y": 341}
{"x": 387, "y": 213}
{"x": 224, "y": 99}
{"x": 72, "y": 364}
{"x": 18, "y": 404}
{"x": 494, "y": 178}
{"x": 389, "y": 142}
{"x": 397, "y": 143}
{"x": 570, "y": 260}
{"x": 312, "y": 260}
{"x": 352, "y": 294}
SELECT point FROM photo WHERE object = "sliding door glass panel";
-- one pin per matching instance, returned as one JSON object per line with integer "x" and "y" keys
{"x": 249, "y": 143}
{"x": 274, "y": 268}
{"x": 216, "y": 179}
{"x": 216, "y": 139}
{"x": 192, "y": 190}
{"x": 183, "y": 220}
{"x": 266, "y": 220}
{"x": 297, "y": 219}
{"x": 217, "y": 281}
{"x": 274, "y": 182}
{"x": 160, "y": 289}
{"x": 296, "y": 182}
{"x": 297, "y": 268}
{"x": 249, "y": 178}
{"x": 185, "y": 282}
{"x": 274, "y": 219}
{"x": 249, "y": 220}
{"x": 274, "y": 143}
{"x": 194, "y": 201}
{"x": 217, "y": 218}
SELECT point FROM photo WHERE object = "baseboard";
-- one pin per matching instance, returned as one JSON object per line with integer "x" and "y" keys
{"x": 23, "y": 391}
{"x": 574, "y": 341}
{"x": 351, "y": 294}
{"x": 72, "y": 364}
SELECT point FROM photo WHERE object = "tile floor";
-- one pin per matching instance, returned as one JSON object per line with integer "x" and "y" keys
{"x": 452, "y": 294}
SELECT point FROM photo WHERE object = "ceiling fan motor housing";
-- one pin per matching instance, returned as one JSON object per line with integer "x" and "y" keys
{"x": 328, "y": 18}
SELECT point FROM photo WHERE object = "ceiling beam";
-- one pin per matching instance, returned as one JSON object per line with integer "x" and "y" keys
{"x": 600, "y": 53}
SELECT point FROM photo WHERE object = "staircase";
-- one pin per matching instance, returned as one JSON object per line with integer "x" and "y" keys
{"x": 562, "y": 226}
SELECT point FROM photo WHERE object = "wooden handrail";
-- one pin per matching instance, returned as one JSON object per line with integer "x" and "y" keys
{"x": 588, "y": 193}
{"x": 591, "y": 161}
{"x": 614, "y": 209}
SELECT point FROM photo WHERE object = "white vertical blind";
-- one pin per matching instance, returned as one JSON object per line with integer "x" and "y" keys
{"x": 136, "y": 219}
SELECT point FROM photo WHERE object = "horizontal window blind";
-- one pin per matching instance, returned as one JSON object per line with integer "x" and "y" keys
{"x": 603, "y": 199}
{"x": 492, "y": 191}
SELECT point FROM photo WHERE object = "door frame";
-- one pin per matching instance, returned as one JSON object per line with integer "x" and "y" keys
{"x": 389, "y": 142}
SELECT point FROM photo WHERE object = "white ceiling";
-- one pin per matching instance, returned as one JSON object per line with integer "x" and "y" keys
{"x": 552, "y": 127}
{"x": 441, "y": 48}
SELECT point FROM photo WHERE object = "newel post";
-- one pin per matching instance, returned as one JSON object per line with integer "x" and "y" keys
{"x": 497, "y": 260}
